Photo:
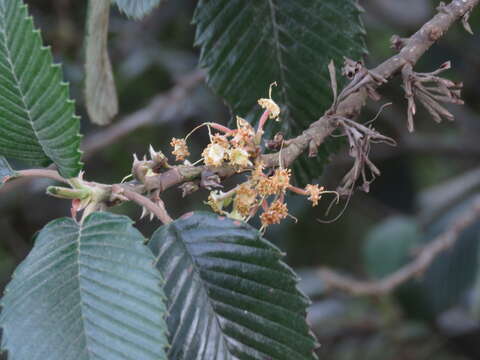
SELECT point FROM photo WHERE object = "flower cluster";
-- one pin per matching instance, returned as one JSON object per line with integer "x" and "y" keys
{"x": 261, "y": 193}
{"x": 239, "y": 149}
{"x": 234, "y": 147}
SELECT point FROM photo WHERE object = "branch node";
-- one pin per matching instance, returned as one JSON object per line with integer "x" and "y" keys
{"x": 398, "y": 43}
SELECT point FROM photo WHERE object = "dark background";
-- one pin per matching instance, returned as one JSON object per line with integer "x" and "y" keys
{"x": 425, "y": 181}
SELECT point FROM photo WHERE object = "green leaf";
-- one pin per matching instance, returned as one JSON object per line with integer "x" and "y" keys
{"x": 85, "y": 292}
{"x": 475, "y": 304}
{"x": 248, "y": 44}
{"x": 137, "y": 9}
{"x": 229, "y": 294}
{"x": 6, "y": 172}
{"x": 37, "y": 118}
{"x": 100, "y": 91}
{"x": 390, "y": 245}
{"x": 453, "y": 272}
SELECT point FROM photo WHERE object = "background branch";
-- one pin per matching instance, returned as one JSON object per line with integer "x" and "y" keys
{"x": 421, "y": 263}
{"x": 153, "y": 113}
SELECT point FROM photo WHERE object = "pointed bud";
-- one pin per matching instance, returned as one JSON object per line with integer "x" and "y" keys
{"x": 144, "y": 212}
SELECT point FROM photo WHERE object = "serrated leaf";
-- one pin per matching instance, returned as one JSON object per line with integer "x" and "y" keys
{"x": 37, "y": 118}
{"x": 85, "y": 292}
{"x": 100, "y": 91}
{"x": 137, "y": 9}
{"x": 229, "y": 294}
{"x": 248, "y": 44}
{"x": 6, "y": 172}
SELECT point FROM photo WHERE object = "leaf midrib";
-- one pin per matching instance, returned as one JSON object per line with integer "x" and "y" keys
{"x": 202, "y": 286}
{"x": 278, "y": 50}
{"x": 17, "y": 82}
{"x": 84, "y": 325}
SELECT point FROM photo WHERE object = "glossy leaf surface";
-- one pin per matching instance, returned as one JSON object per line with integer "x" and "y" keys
{"x": 37, "y": 118}
{"x": 248, "y": 44}
{"x": 229, "y": 294}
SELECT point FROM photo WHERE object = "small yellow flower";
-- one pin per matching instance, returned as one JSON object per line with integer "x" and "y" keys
{"x": 180, "y": 149}
{"x": 244, "y": 135}
{"x": 257, "y": 173}
{"x": 281, "y": 180}
{"x": 220, "y": 140}
{"x": 270, "y": 105}
{"x": 265, "y": 186}
{"x": 315, "y": 193}
{"x": 214, "y": 155}
{"x": 274, "y": 214}
{"x": 239, "y": 157}
{"x": 217, "y": 201}
{"x": 245, "y": 199}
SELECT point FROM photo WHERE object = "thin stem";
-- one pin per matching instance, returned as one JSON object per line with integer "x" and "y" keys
{"x": 158, "y": 210}
{"x": 42, "y": 173}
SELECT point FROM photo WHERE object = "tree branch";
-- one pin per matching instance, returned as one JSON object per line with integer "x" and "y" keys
{"x": 418, "y": 266}
{"x": 349, "y": 106}
{"x": 158, "y": 106}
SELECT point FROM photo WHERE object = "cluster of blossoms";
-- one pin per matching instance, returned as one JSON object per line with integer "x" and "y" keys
{"x": 261, "y": 193}
{"x": 240, "y": 149}
{"x": 234, "y": 147}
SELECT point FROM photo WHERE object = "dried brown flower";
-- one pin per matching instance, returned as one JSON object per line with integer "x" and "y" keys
{"x": 274, "y": 214}
{"x": 245, "y": 199}
{"x": 180, "y": 149}
{"x": 281, "y": 180}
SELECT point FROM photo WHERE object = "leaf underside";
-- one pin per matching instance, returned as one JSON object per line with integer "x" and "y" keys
{"x": 85, "y": 292}
{"x": 248, "y": 44}
{"x": 100, "y": 92}
{"x": 137, "y": 9}
{"x": 37, "y": 118}
{"x": 229, "y": 294}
